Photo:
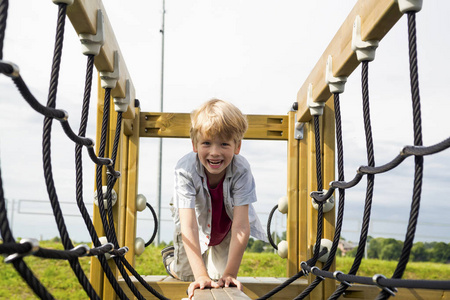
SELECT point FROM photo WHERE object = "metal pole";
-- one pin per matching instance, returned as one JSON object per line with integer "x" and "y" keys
{"x": 159, "y": 181}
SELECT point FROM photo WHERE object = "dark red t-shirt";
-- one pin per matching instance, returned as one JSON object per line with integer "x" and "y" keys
{"x": 220, "y": 222}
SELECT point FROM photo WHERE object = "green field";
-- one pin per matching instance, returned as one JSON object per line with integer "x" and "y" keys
{"x": 59, "y": 279}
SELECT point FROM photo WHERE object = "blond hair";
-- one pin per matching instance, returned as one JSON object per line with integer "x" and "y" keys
{"x": 218, "y": 118}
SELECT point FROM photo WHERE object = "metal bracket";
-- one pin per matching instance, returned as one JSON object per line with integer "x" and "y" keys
{"x": 336, "y": 84}
{"x": 67, "y": 2}
{"x": 315, "y": 108}
{"x": 91, "y": 43}
{"x": 109, "y": 79}
{"x": 298, "y": 133}
{"x": 121, "y": 104}
{"x": 409, "y": 5}
{"x": 365, "y": 50}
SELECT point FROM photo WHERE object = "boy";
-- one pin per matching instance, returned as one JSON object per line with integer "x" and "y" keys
{"x": 212, "y": 203}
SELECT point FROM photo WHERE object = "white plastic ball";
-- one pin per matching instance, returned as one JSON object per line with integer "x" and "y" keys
{"x": 139, "y": 246}
{"x": 283, "y": 249}
{"x": 283, "y": 205}
{"x": 141, "y": 202}
{"x": 105, "y": 201}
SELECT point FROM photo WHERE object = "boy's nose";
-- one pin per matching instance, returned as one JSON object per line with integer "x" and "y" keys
{"x": 215, "y": 150}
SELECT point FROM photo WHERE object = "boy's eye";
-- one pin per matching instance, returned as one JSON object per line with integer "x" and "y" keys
{"x": 225, "y": 144}
{"x": 206, "y": 143}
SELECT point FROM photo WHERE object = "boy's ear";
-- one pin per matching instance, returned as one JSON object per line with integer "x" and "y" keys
{"x": 194, "y": 147}
{"x": 238, "y": 148}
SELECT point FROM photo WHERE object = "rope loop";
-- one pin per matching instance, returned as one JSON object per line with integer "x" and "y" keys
{"x": 336, "y": 276}
{"x": 376, "y": 278}
{"x": 10, "y": 69}
{"x": 84, "y": 247}
{"x": 34, "y": 243}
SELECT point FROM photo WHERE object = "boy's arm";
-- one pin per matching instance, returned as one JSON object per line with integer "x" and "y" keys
{"x": 240, "y": 233}
{"x": 189, "y": 233}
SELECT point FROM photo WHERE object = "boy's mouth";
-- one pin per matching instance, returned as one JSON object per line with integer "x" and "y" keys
{"x": 215, "y": 163}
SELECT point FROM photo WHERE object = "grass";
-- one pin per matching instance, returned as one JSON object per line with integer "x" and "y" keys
{"x": 58, "y": 278}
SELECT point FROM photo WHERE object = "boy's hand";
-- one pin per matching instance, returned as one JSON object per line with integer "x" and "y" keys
{"x": 201, "y": 283}
{"x": 228, "y": 280}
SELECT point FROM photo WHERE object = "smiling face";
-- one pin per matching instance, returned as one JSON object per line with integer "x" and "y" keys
{"x": 215, "y": 154}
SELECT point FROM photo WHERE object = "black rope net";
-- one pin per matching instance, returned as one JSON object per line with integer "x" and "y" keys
{"x": 388, "y": 286}
{"x": 17, "y": 251}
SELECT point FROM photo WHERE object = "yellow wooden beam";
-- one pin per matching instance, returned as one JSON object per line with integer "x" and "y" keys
{"x": 132, "y": 184}
{"x": 119, "y": 207}
{"x": 303, "y": 194}
{"x": 312, "y": 217}
{"x": 377, "y": 18}
{"x": 177, "y": 125}
{"x": 83, "y": 16}
{"x": 96, "y": 271}
{"x": 329, "y": 164}
{"x": 292, "y": 194}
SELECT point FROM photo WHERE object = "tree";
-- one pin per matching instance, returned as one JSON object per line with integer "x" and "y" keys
{"x": 374, "y": 247}
{"x": 440, "y": 252}
{"x": 249, "y": 244}
{"x": 257, "y": 246}
{"x": 419, "y": 252}
{"x": 352, "y": 253}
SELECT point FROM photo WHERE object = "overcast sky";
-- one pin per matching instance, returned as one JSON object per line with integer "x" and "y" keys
{"x": 254, "y": 53}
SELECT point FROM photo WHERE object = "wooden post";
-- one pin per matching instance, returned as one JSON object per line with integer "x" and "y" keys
{"x": 311, "y": 212}
{"x": 108, "y": 291}
{"x": 308, "y": 182}
{"x": 292, "y": 234}
{"x": 124, "y": 211}
{"x": 329, "y": 163}
{"x": 96, "y": 271}
{"x": 132, "y": 184}
{"x": 303, "y": 195}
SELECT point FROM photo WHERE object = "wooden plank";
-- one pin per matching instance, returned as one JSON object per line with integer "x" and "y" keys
{"x": 405, "y": 294}
{"x": 177, "y": 125}
{"x": 303, "y": 195}
{"x": 203, "y": 294}
{"x": 359, "y": 291}
{"x": 83, "y": 16}
{"x": 292, "y": 232}
{"x": 96, "y": 271}
{"x": 235, "y": 293}
{"x": 219, "y": 294}
{"x": 255, "y": 288}
{"x": 377, "y": 18}
{"x": 132, "y": 183}
{"x": 312, "y": 218}
{"x": 329, "y": 165}
{"x": 268, "y": 280}
{"x": 120, "y": 188}
{"x": 176, "y": 289}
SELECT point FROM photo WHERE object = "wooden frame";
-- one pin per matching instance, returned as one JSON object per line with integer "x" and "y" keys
{"x": 377, "y": 18}
{"x": 176, "y": 125}
{"x": 83, "y": 16}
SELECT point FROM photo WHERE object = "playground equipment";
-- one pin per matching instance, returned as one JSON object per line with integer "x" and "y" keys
{"x": 312, "y": 133}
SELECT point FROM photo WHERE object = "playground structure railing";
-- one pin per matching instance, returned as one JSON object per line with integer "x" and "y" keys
{"x": 297, "y": 128}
